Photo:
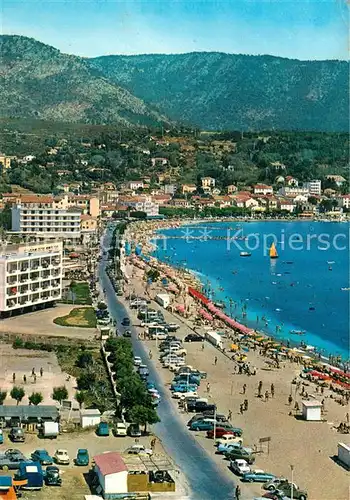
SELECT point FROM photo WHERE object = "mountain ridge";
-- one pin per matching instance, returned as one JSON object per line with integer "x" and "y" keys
{"x": 210, "y": 90}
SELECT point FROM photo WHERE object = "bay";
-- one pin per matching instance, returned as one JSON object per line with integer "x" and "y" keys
{"x": 301, "y": 290}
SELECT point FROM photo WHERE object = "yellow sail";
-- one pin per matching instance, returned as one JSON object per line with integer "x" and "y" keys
{"x": 273, "y": 252}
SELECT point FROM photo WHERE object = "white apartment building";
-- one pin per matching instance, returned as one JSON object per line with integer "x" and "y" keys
{"x": 45, "y": 222}
{"x": 314, "y": 186}
{"x": 294, "y": 191}
{"x": 30, "y": 276}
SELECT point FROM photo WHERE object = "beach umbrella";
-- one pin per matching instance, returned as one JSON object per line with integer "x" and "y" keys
{"x": 234, "y": 347}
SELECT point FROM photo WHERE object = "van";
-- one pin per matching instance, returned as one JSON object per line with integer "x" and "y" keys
{"x": 120, "y": 429}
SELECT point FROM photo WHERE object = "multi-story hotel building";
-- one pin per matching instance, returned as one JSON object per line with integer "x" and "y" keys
{"x": 47, "y": 222}
{"x": 30, "y": 276}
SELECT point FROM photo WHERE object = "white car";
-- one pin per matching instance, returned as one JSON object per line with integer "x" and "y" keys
{"x": 239, "y": 466}
{"x": 137, "y": 361}
{"x": 154, "y": 393}
{"x": 183, "y": 395}
{"x": 138, "y": 449}
{"x": 61, "y": 457}
{"x": 228, "y": 438}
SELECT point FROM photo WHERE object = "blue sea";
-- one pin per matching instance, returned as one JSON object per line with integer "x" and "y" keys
{"x": 301, "y": 290}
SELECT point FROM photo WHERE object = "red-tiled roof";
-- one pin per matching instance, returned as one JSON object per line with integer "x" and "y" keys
{"x": 110, "y": 463}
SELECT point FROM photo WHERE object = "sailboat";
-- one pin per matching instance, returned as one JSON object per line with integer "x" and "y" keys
{"x": 273, "y": 252}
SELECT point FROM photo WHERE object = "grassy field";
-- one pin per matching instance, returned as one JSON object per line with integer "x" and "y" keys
{"x": 82, "y": 317}
{"x": 79, "y": 293}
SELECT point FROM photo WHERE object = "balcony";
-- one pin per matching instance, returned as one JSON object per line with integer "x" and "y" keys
{"x": 12, "y": 291}
{"x": 11, "y": 281}
{"x": 35, "y": 297}
{"x": 35, "y": 288}
{"x": 23, "y": 268}
{"x": 24, "y": 278}
{"x": 23, "y": 289}
{"x": 45, "y": 263}
{"x": 34, "y": 276}
{"x": 11, "y": 303}
{"x": 34, "y": 265}
{"x": 45, "y": 274}
{"x": 11, "y": 269}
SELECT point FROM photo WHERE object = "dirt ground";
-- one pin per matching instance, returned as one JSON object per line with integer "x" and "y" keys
{"x": 21, "y": 362}
{"x": 74, "y": 479}
{"x": 41, "y": 323}
{"x": 309, "y": 446}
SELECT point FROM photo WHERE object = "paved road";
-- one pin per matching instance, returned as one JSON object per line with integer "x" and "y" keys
{"x": 204, "y": 478}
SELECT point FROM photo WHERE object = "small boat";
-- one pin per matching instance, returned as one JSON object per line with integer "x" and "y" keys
{"x": 273, "y": 252}
{"x": 297, "y": 332}
{"x": 245, "y": 254}
{"x": 345, "y": 289}
{"x": 220, "y": 305}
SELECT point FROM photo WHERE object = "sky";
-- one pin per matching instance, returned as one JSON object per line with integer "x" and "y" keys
{"x": 301, "y": 29}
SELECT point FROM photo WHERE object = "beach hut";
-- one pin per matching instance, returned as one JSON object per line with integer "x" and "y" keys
{"x": 311, "y": 410}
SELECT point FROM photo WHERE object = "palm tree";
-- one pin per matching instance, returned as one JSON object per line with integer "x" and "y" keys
{"x": 80, "y": 397}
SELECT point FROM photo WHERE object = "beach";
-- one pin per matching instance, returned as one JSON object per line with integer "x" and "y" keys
{"x": 308, "y": 446}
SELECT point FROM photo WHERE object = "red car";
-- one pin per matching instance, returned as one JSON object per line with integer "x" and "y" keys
{"x": 219, "y": 432}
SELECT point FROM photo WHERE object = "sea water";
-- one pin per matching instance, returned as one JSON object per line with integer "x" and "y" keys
{"x": 301, "y": 290}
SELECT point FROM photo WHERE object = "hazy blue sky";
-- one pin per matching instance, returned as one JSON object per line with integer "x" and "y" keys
{"x": 303, "y": 29}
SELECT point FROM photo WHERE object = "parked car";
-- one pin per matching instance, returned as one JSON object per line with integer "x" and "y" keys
{"x": 138, "y": 449}
{"x": 228, "y": 438}
{"x": 184, "y": 395}
{"x": 274, "y": 483}
{"x": 120, "y": 429}
{"x": 137, "y": 361}
{"x": 134, "y": 430}
{"x": 1, "y": 436}
{"x": 225, "y": 448}
{"x": 203, "y": 425}
{"x": 52, "y": 476}
{"x": 126, "y": 322}
{"x": 257, "y": 476}
{"x": 188, "y": 377}
{"x": 11, "y": 459}
{"x": 172, "y": 327}
{"x": 200, "y": 406}
{"x": 82, "y": 457}
{"x": 102, "y": 429}
{"x": 240, "y": 453}
{"x": 127, "y": 334}
{"x": 61, "y": 457}
{"x": 193, "y": 337}
{"x": 42, "y": 457}
{"x": 286, "y": 489}
{"x": 239, "y": 466}
{"x": 17, "y": 435}
{"x": 219, "y": 433}
{"x": 183, "y": 388}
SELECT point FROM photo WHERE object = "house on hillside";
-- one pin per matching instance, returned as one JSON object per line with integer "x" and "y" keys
{"x": 263, "y": 189}
{"x": 231, "y": 189}
{"x": 208, "y": 183}
{"x": 338, "y": 179}
{"x": 188, "y": 188}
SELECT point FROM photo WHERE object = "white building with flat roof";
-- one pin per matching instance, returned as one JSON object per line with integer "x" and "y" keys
{"x": 30, "y": 275}
{"x": 45, "y": 222}
{"x": 314, "y": 186}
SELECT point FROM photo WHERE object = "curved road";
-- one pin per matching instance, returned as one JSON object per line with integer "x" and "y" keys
{"x": 204, "y": 478}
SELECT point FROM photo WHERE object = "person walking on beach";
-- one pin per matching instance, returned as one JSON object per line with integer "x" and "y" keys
{"x": 13, "y": 377}
{"x": 203, "y": 346}
{"x": 245, "y": 403}
{"x": 244, "y": 388}
{"x": 266, "y": 396}
{"x": 33, "y": 372}
{"x": 215, "y": 360}
{"x": 290, "y": 399}
{"x": 208, "y": 387}
{"x": 229, "y": 416}
{"x": 241, "y": 409}
{"x": 272, "y": 390}
{"x": 347, "y": 418}
{"x": 24, "y": 378}
{"x": 41, "y": 372}
{"x": 260, "y": 388}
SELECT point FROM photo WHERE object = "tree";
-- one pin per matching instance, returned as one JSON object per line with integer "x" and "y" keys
{"x": 60, "y": 393}
{"x": 35, "y": 398}
{"x": 17, "y": 393}
{"x": 84, "y": 359}
{"x": 102, "y": 306}
{"x": 80, "y": 397}
{"x": 3, "y": 395}
{"x": 86, "y": 380}
{"x": 143, "y": 415}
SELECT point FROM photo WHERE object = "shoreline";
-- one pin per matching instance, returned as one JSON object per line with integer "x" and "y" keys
{"x": 148, "y": 231}
{"x": 273, "y": 418}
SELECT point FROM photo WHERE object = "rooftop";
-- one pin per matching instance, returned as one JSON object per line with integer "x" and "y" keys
{"x": 110, "y": 463}
{"x": 29, "y": 411}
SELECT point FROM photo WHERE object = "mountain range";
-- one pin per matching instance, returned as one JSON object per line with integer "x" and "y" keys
{"x": 209, "y": 90}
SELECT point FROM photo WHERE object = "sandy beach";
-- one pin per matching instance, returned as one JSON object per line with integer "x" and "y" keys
{"x": 309, "y": 446}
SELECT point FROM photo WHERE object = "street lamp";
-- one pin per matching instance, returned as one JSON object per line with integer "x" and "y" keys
{"x": 292, "y": 484}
